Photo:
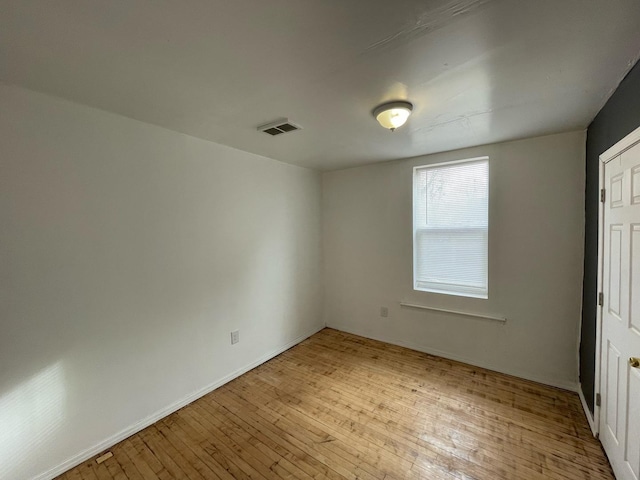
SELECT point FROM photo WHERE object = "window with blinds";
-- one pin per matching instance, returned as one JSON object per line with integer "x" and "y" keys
{"x": 450, "y": 228}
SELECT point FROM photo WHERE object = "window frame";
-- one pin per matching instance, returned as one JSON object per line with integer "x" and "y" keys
{"x": 440, "y": 287}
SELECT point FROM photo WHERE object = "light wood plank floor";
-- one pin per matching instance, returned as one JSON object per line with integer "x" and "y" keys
{"x": 341, "y": 406}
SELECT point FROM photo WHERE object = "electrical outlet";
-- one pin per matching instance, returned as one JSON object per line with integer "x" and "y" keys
{"x": 384, "y": 312}
{"x": 235, "y": 337}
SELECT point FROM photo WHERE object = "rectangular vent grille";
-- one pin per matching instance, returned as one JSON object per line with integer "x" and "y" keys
{"x": 279, "y": 127}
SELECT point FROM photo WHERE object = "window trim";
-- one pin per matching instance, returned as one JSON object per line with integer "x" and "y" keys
{"x": 471, "y": 292}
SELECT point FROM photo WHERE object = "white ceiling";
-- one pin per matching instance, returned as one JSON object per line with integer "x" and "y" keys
{"x": 478, "y": 71}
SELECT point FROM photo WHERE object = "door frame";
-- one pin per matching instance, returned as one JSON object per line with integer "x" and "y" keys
{"x": 623, "y": 145}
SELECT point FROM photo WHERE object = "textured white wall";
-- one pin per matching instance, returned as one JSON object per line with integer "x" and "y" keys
{"x": 536, "y": 211}
{"x": 128, "y": 254}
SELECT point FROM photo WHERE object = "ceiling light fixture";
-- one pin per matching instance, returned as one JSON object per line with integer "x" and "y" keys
{"x": 393, "y": 114}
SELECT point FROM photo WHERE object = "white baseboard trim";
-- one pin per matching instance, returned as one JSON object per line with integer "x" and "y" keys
{"x": 151, "y": 419}
{"x": 587, "y": 412}
{"x": 565, "y": 385}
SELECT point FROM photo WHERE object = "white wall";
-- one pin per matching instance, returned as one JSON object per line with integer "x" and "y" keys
{"x": 536, "y": 216}
{"x": 128, "y": 253}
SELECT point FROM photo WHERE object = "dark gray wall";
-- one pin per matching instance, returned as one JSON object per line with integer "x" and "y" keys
{"x": 619, "y": 117}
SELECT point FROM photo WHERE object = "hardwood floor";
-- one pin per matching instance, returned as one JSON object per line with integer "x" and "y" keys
{"x": 341, "y": 406}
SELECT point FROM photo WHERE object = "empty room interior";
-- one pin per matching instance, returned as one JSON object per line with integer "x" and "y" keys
{"x": 325, "y": 239}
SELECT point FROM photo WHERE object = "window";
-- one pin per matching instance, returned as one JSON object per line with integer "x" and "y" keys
{"x": 450, "y": 228}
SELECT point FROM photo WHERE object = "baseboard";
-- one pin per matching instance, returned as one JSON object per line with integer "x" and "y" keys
{"x": 151, "y": 419}
{"x": 587, "y": 412}
{"x": 571, "y": 386}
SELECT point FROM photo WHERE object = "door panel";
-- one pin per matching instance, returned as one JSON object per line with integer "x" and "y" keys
{"x": 635, "y": 185}
{"x": 615, "y": 258}
{"x": 634, "y": 307}
{"x": 613, "y": 390}
{"x": 632, "y": 454}
{"x": 616, "y": 191}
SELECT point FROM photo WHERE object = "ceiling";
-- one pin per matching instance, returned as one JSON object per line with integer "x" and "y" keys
{"x": 477, "y": 71}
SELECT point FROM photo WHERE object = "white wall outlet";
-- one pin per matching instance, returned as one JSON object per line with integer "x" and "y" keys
{"x": 235, "y": 337}
{"x": 384, "y": 312}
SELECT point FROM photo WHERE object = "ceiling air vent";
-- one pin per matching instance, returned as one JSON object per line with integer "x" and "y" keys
{"x": 279, "y": 127}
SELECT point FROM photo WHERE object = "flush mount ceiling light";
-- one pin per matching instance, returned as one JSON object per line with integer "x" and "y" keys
{"x": 393, "y": 114}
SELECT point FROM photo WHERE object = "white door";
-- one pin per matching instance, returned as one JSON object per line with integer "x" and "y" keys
{"x": 620, "y": 376}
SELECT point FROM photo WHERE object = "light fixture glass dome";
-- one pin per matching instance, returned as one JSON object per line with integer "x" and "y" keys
{"x": 393, "y": 114}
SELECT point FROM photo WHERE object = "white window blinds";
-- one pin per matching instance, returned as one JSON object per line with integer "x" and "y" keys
{"x": 450, "y": 228}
